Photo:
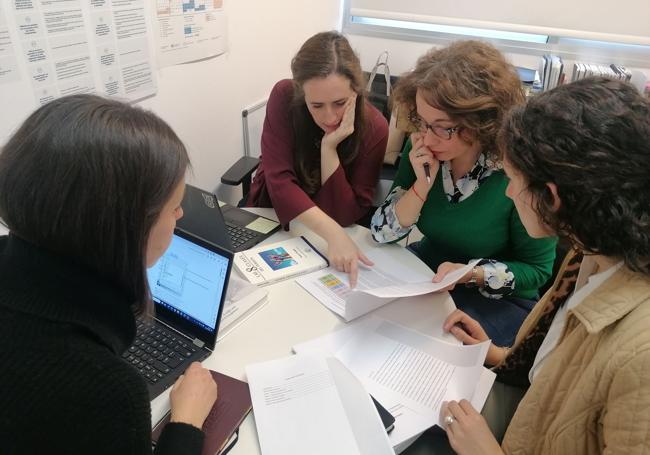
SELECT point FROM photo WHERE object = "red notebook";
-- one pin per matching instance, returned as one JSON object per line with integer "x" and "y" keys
{"x": 230, "y": 410}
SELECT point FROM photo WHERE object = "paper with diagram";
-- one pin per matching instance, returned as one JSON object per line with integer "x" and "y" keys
{"x": 386, "y": 281}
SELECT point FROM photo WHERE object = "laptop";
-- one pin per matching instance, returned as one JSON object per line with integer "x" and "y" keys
{"x": 188, "y": 286}
{"x": 231, "y": 227}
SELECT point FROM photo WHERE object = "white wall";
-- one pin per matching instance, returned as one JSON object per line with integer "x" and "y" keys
{"x": 404, "y": 53}
{"x": 203, "y": 101}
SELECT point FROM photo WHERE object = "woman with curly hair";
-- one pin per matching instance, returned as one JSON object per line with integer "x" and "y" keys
{"x": 450, "y": 185}
{"x": 579, "y": 167}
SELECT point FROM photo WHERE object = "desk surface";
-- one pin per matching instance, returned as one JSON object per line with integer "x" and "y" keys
{"x": 292, "y": 316}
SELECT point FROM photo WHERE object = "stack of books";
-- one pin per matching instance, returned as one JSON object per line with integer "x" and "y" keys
{"x": 551, "y": 71}
{"x": 582, "y": 70}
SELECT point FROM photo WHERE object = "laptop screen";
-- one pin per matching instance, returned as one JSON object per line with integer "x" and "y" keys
{"x": 188, "y": 284}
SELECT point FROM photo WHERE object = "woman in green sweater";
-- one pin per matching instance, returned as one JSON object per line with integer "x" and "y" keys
{"x": 451, "y": 186}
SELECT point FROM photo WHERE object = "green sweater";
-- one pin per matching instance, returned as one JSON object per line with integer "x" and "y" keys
{"x": 485, "y": 225}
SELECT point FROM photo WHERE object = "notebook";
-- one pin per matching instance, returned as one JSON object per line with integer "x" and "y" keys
{"x": 188, "y": 286}
{"x": 223, "y": 224}
{"x": 221, "y": 427}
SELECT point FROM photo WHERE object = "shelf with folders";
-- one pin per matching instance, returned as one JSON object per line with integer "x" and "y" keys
{"x": 551, "y": 71}
{"x": 582, "y": 70}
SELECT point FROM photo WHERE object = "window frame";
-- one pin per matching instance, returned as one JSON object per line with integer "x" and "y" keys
{"x": 577, "y": 50}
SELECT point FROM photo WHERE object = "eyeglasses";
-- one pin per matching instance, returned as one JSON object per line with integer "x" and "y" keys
{"x": 422, "y": 126}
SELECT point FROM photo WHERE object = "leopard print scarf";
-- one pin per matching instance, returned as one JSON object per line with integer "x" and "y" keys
{"x": 514, "y": 369}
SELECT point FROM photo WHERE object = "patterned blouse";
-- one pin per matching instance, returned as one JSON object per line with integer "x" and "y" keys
{"x": 499, "y": 280}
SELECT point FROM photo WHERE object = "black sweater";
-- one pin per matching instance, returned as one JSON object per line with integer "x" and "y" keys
{"x": 63, "y": 386}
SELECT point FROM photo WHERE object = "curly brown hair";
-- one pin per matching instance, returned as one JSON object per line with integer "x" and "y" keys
{"x": 590, "y": 138}
{"x": 470, "y": 81}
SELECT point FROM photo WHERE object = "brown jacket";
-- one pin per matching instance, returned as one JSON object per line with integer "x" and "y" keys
{"x": 592, "y": 395}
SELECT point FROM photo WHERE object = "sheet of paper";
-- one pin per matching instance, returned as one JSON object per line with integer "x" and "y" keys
{"x": 420, "y": 371}
{"x": 408, "y": 372}
{"x": 8, "y": 63}
{"x": 243, "y": 300}
{"x": 331, "y": 287}
{"x": 263, "y": 225}
{"x": 395, "y": 290}
{"x": 375, "y": 286}
{"x": 305, "y": 404}
{"x": 190, "y": 31}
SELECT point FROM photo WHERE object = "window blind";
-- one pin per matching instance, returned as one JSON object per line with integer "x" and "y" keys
{"x": 623, "y": 21}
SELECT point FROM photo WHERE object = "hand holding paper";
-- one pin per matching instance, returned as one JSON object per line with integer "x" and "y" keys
{"x": 446, "y": 268}
{"x": 375, "y": 287}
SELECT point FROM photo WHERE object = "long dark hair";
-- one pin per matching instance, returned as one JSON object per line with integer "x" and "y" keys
{"x": 590, "y": 138}
{"x": 321, "y": 55}
{"x": 471, "y": 82}
{"x": 86, "y": 178}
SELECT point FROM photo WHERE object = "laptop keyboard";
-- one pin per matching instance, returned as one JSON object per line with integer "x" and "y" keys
{"x": 157, "y": 351}
{"x": 240, "y": 235}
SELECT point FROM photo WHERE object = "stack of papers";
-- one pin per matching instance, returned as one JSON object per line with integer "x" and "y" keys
{"x": 375, "y": 287}
{"x": 311, "y": 404}
{"x": 242, "y": 301}
{"x": 410, "y": 373}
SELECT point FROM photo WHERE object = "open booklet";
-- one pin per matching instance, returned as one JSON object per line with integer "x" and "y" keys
{"x": 242, "y": 301}
{"x": 309, "y": 404}
{"x": 386, "y": 281}
{"x": 407, "y": 371}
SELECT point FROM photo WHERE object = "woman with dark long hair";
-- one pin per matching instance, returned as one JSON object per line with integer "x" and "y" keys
{"x": 322, "y": 147}
{"x": 90, "y": 190}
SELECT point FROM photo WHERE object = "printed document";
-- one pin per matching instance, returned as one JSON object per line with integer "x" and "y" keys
{"x": 376, "y": 286}
{"x": 312, "y": 404}
{"x": 242, "y": 301}
{"x": 410, "y": 373}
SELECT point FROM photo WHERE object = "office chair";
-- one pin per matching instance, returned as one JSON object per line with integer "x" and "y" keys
{"x": 241, "y": 172}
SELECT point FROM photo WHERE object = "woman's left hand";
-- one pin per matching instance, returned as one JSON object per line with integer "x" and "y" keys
{"x": 345, "y": 128}
{"x": 468, "y": 431}
{"x": 447, "y": 267}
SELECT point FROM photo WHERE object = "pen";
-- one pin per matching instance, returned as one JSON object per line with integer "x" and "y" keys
{"x": 427, "y": 172}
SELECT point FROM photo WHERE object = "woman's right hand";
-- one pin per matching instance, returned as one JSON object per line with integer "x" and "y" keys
{"x": 469, "y": 331}
{"x": 344, "y": 255}
{"x": 193, "y": 396}
{"x": 331, "y": 140}
{"x": 418, "y": 156}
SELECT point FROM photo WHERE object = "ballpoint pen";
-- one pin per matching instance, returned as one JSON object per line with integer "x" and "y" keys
{"x": 427, "y": 172}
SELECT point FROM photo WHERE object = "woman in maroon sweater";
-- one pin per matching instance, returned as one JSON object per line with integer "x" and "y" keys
{"x": 322, "y": 147}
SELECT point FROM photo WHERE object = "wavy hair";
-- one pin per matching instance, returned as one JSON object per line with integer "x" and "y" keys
{"x": 321, "y": 55}
{"x": 471, "y": 82}
{"x": 590, "y": 138}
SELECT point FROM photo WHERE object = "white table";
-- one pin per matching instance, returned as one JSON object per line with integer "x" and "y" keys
{"x": 292, "y": 316}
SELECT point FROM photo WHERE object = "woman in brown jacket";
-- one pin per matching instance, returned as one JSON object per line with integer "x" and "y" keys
{"x": 579, "y": 166}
